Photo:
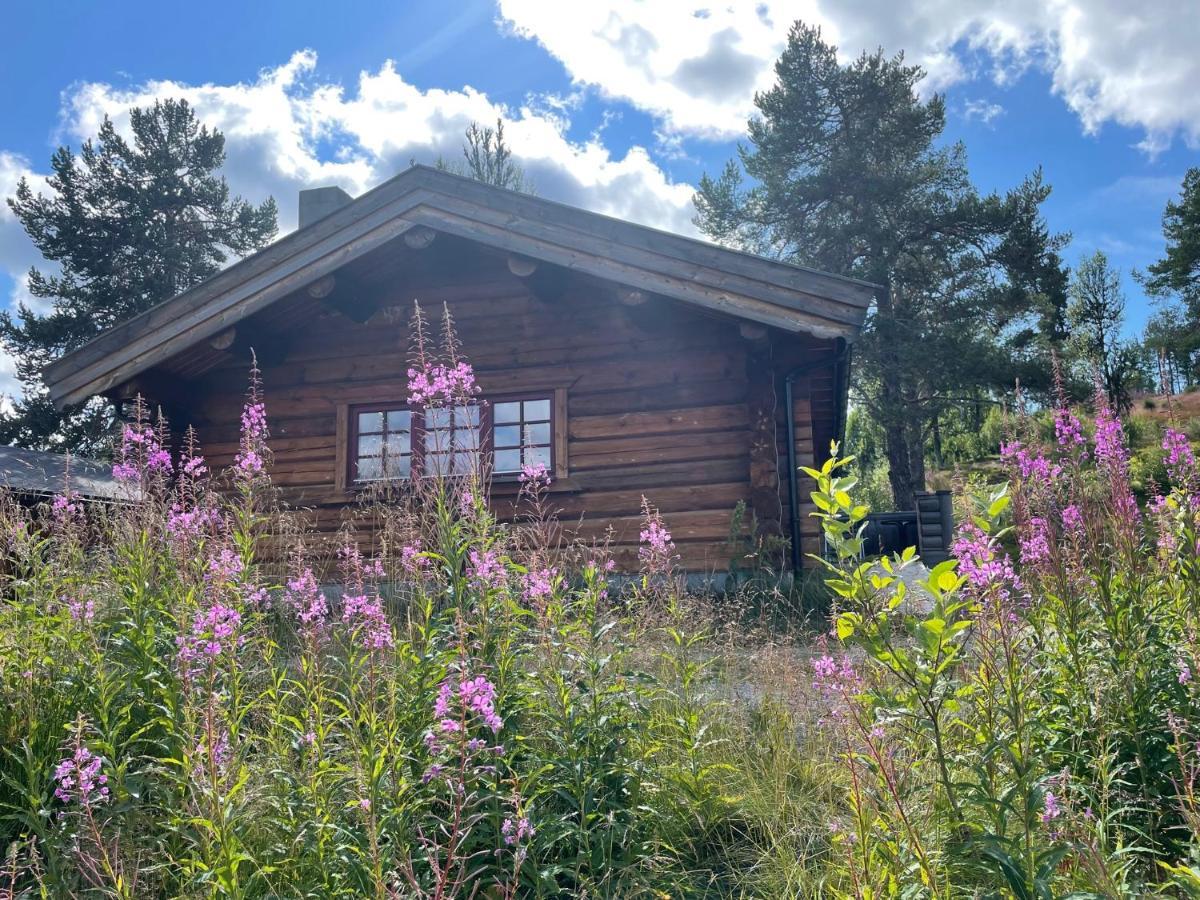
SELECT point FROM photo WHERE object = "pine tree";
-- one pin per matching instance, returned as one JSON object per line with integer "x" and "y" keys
{"x": 1178, "y": 272}
{"x": 489, "y": 159}
{"x": 126, "y": 224}
{"x": 1096, "y": 313}
{"x": 848, "y": 177}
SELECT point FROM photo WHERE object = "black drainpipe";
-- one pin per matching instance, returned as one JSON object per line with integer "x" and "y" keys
{"x": 841, "y": 364}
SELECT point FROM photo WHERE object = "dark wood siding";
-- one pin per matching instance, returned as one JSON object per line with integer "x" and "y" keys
{"x": 659, "y": 402}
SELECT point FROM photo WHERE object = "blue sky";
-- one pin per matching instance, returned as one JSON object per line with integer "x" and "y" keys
{"x": 616, "y": 106}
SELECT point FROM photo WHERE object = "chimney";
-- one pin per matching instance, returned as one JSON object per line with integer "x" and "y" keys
{"x": 317, "y": 203}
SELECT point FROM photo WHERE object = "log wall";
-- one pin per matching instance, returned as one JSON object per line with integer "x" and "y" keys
{"x": 661, "y": 401}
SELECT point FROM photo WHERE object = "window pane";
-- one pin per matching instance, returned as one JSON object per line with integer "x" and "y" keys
{"x": 507, "y": 461}
{"x": 436, "y": 463}
{"x": 399, "y": 466}
{"x": 370, "y": 468}
{"x": 508, "y": 436}
{"x": 535, "y": 455}
{"x": 370, "y": 422}
{"x": 397, "y": 445}
{"x": 466, "y": 415}
{"x": 466, "y": 439}
{"x": 507, "y": 412}
{"x": 537, "y": 434}
{"x": 437, "y": 417}
{"x": 399, "y": 420}
{"x": 463, "y": 463}
{"x": 537, "y": 409}
{"x": 370, "y": 444}
{"x": 437, "y": 439}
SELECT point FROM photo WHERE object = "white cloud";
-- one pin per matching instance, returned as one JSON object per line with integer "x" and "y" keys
{"x": 982, "y": 111}
{"x": 17, "y": 252}
{"x": 696, "y": 67}
{"x": 288, "y": 130}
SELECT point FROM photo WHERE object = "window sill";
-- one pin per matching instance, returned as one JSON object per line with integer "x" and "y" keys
{"x": 501, "y": 487}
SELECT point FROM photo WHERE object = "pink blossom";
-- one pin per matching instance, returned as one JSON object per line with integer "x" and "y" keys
{"x": 1030, "y": 465}
{"x": 81, "y": 610}
{"x": 185, "y": 524}
{"x": 1069, "y": 433}
{"x": 486, "y": 570}
{"x": 366, "y": 618}
{"x": 214, "y": 632}
{"x": 79, "y": 779}
{"x": 516, "y": 831}
{"x": 436, "y": 384}
{"x": 539, "y": 585}
{"x": 1180, "y": 460}
{"x": 535, "y": 475}
{"x": 412, "y": 558}
{"x": 305, "y": 599}
{"x": 66, "y": 508}
{"x": 1035, "y": 544}
{"x": 1052, "y": 809}
{"x": 140, "y": 454}
{"x": 250, "y": 460}
{"x": 987, "y": 568}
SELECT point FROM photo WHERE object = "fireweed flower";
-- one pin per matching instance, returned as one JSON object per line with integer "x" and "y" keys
{"x": 224, "y": 567}
{"x": 1163, "y": 513}
{"x": 193, "y": 466}
{"x": 1185, "y": 672}
{"x": 78, "y": 779}
{"x": 411, "y": 558}
{"x": 1068, "y": 432}
{"x": 1072, "y": 520}
{"x": 535, "y": 475}
{"x": 304, "y": 598}
{"x": 517, "y": 831}
{"x": 1180, "y": 460}
{"x": 1035, "y": 543}
{"x": 81, "y": 610}
{"x": 1051, "y": 809}
{"x": 838, "y": 684}
{"x": 434, "y": 384}
{"x": 464, "y": 703}
{"x": 366, "y": 618}
{"x": 988, "y": 569}
{"x": 66, "y": 508}
{"x": 1112, "y": 457}
{"x": 486, "y": 570}
{"x": 213, "y": 633}
{"x": 184, "y": 524}
{"x": 1031, "y": 466}
{"x": 251, "y": 456}
{"x": 217, "y": 756}
{"x": 140, "y": 454}
{"x": 539, "y": 585}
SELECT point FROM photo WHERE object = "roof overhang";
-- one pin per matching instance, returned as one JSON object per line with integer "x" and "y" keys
{"x": 715, "y": 278}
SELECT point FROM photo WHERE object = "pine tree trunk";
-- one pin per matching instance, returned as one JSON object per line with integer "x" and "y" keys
{"x": 900, "y": 466}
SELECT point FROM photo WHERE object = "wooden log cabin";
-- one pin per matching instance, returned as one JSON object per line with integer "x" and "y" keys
{"x": 634, "y": 361}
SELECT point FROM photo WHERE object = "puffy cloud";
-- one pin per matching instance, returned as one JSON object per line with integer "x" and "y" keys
{"x": 695, "y": 67}
{"x": 17, "y": 252}
{"x": 982, "y": 111}
{"x": 288, "y": 130}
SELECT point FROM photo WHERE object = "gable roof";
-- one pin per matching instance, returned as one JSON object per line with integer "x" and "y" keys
{"x": 750, "y": 287}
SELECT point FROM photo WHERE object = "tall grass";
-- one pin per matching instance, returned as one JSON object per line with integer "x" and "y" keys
{"x": 199, "y": 699}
